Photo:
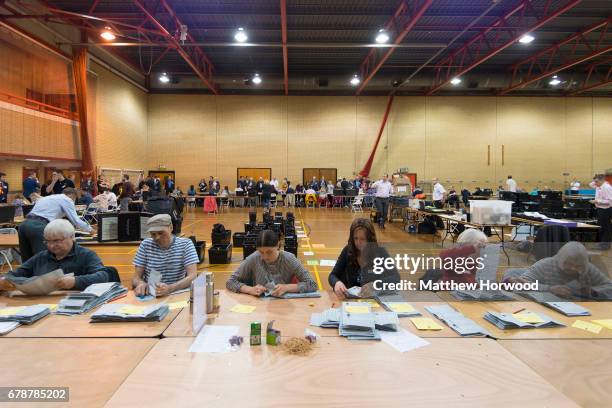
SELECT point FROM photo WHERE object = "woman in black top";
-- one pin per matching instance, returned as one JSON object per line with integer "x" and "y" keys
{"x": 354, "y": 266}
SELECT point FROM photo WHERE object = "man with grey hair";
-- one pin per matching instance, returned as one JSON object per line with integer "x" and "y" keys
{"x": 63, "y": 253}
{"x": 45, "y": 210}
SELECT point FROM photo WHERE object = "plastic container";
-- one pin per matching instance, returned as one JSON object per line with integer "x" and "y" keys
{"x": 220, "y": 254}
{"x": 491, "y": 212}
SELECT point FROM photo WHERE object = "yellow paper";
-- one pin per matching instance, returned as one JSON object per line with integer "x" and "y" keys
{"x": 399, "y": 307}
{"x": 178, "y": 305}
{"x": 243, "y": 308}
{"x": 590, "y": 327}
{"x": 372, "y": 302}
{"x": 357, "y": 309}
{"x": 132, "y": 310}
{"x": 52, "y": 307}
{"x": 607, "y": 323}
{"x": 318, "y": 245}
{"x": 8, "y": 311}
{"x": 425, "y": 323}
{"x": 528, "y": 317}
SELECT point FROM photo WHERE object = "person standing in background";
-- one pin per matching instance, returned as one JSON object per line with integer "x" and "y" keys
{"x": 4, "y": 188}
{"x": 88, "y": 185}
{"x": 30, "y": 184}
{"x": 384, "y": 188}
{"x": 439, "y": 194}
{"x": 603, "y": 203}
{"x": 511, "y": 185}
{"x": 575, "y": 187}
{"x": 59, "y": 183}
{"x": 126, "y": 193}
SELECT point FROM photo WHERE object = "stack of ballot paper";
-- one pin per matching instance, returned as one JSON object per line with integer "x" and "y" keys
{"x": 37, "y": 285}
{"x": 456, "y": 321}
{"x": 288, "y": 295}
{"x": 329, "y": 318}
{"x": 568, "y": 308}
{"x": 118, "y": 312}
{"x": 93, "y": 296}
{"x": 522, "y": 320}
{"x": 482, "y": 295}
{"x": 357, "y": 322}
{"x": 24, "y": 314}
{"x": 7, "y": 327}
{"x": 386, "y": 321}
{"x": 396, "y": 303}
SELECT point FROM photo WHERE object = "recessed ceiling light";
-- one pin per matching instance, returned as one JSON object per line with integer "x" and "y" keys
{"x": 256, "y": 79}
{"x": 455, "y": 81}
{"x": 241, "y": 35}
{"x": 526, "y": 39}
{"x": 382, "y": 36}
{"x": 164, "y": 78}
{"x": 355, "y": 80}
{"x": 107, "y": 34}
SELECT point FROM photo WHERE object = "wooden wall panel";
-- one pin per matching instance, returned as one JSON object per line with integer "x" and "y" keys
{"x": 602, "y": 134}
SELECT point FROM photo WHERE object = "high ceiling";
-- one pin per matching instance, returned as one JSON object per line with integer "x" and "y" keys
{"x": 327, "y": 41}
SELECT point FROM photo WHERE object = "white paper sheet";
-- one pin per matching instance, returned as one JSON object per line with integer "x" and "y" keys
{"x": 308, "y": 253}
{"x": 152, "y": 280}
{"x": 327, "y": 262}
{"x": 6, "y": 327}
{"x": 214, "y": 339}
{"x": 402, "y": 340}
{"x": 43, "y": 284}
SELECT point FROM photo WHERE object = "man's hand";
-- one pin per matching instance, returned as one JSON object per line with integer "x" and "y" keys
{"x": 67, "y": 282}
{"x": 257, "y": 290}
{"x": 367, "y": 290}
{"x": 6, "y": 285}
{"x": 561, "y": 290}
{"x": 163, "y": 289}
{"x": 141, "y": 289}
{"x": 279, "y": 290}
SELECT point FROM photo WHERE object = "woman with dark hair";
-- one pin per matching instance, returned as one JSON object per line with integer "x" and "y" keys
{"x": 354, "y": 266}
{"x": 271, "y": 269}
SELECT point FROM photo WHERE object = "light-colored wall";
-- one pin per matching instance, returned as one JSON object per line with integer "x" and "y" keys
{"x": 445, "y": 137}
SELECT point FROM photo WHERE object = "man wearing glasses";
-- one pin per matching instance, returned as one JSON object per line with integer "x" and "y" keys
{"x": 63, "y": 253}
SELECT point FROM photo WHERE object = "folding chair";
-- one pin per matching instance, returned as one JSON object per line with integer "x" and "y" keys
{"x": 356, "y": 204}
{"x": 7, "y": 254}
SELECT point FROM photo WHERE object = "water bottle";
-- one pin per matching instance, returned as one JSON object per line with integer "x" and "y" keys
{"x": 210, "y": 291}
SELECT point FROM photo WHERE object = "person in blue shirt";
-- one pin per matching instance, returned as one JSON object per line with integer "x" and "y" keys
{"x": 30, "y": 184}
{"x": 4, "y": 188}
{"x": 47, "y": 209}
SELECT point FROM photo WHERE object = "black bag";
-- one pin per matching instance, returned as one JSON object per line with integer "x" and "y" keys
{"x": 427, "y": 226}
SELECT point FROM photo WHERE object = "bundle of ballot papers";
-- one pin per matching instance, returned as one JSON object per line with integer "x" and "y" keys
{"x": 37, "y": 285}
{"x": 560, "y": 305}
{"x": 521, "y": 320}
{"x": 357, "y": 322}
{"x": 24, "y": 314}
{"x": 456, "y": 321}
{"x": 482, "y": 295}
{"x": 117, "y": 312}
{"x": 93, "y": 296}
{"x": 7, "y": 327}
{"x": 395, "y": 303}
{"x": 329, "y": 318}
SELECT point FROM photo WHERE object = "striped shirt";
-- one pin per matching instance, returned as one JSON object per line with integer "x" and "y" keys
{"x": 254, "y": 271}
{"x": 171, "y": 262}
{"x": 547, "y": 273}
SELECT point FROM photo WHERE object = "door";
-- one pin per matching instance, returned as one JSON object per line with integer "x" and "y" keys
{"x": 328, "y": 173}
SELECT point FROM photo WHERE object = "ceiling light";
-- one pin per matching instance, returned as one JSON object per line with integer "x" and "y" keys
{"x": 256, "y": 79}
{"x": 526, "y": 39}
{"x": 164, "y": 78}
{"x": 37, "y": 160}
{"x": 455, "y": 81}
{"x": 107, "y": 34}
{"x": 382, "y": 36}
{"x": 355, "y": 80}
{"x": 554, "y": 81}
{"x": 241, "y": 35}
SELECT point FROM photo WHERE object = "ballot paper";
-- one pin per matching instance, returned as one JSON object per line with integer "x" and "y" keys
{"x": 607, "y": 323}
{"x": 425, "y": 323}
{"x": 24, "y": 314}
{"x": 490, "y": 260}
{"x": 507, "y": 321}
{"x": 119, "y": 312}
{"x": 456, "y": 321}
{"x": 327, "y": 262}
{"x": 357, "y": 325}
{"x": 93, "y": 296}
{"x": 213, "y": 339}
{"x": 353, "y": 292}
{"x": 403, "y": 340}
{"x": 7, "y": 327}
{"x": 329, "y": 318}
{"x": 568, "y": 308}
{"x": 153, "y": 279}
{"x": 244, "y": 309}
{"x": 386, "y": 321}
{"x": 482, "y": 295}
{"x": 403, "y": 309}
{"x": 37, "y": 285}
{"x": 590, "y": 327}
{"x": 308, "y": 253}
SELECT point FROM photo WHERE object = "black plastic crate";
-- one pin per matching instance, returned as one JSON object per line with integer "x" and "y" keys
{"x": 220, "y": 254}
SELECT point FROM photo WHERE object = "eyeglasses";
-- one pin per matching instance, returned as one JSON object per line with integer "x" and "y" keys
{"x": 54, "y": 241}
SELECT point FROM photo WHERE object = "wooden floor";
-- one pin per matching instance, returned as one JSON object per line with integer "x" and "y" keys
{"x": 327, "y": 231}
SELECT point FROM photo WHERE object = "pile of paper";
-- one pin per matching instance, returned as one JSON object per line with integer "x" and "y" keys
{"x": 396, "y": 303}
{"x": 522, "y": 320}
{"x": 117, "y": 312}
{"x": 386, "y": 321}
{"x": 482, "y": 295}
{"x": 24, "y": 314}
{"x": 329, "y": 318}
{"x": 357, "y": 322}
{"x": 7, "y": 327}
{"x": 554, "y": 302}
{"x": 456, "y": 321}
{"x": 37, "y": 285}
{"x": 93, "y": 296}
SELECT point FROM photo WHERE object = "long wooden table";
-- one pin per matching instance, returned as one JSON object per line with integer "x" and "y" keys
{"x": 340, "y": 373}
{"x": 291, "y": 316}
{"x": 92, "y": 369}
{"x": 580, "y": 369}
{"x": 9, "y": 241}
{"x": 475, "y": 310}
{"x": 79, "y": 326}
